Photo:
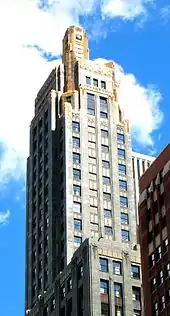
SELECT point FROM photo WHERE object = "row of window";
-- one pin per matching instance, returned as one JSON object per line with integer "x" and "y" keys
{"x": 108, "y": 230}
{"x": 159, "y": 306}
{"x": 159, "y": 279}
{"x": 157, "y": 254}
{"x": 117, "y": 268}
{"x": 95, "y": 82}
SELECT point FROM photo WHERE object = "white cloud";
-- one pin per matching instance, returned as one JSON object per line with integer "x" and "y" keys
{"x": 125, "y": 9}
{"x": 23, "y": 71}
{"x": 140, "y": 105}
{"x": 4, "y": 217}
{"x": 165, "y": 13}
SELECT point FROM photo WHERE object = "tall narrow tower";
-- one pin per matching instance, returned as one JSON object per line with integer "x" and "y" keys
{"x": 82, "y": 251}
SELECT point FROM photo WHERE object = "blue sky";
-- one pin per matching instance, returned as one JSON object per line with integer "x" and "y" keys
{"x": 133, "y": 33}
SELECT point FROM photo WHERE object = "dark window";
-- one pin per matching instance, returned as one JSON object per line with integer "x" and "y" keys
{"x": 103, "y": 84}
{"x": 77, "y": 224}
{"x": 123, "y": 201}
{"x": 95, "y": 82}
{"x": 122, "y": 169}
{"x": 69, "y": 307}
{"x": 105, "y": 309}
{"x": 76, "y": 174}
{"x": 80, "y": 271}
{"x": 135, "y": 271}
{"x": 104, "y": 287}
{"x": 153, "y": 284}
{"x": 123, "y": 185}
{"x": 68, "y": 99}
{"x": 104, "y": 133}
{"x": 105, "y": 164}
{"x": 121, "y": 153}
{"x": 106, "y": 196}
{"x": 120, "y": 138}
{"x": 124, "y": 219}
{"x": 76, "y": 142}
{"x": 117, "y": 267}
{"x": 103, "y": 264}
{"x": 165, "y": 245}
{"x": 158, "y": 253}
{"x": 108, "y": 230}
{"x": 76, "y": 126}
{"x": 76, "y": 158}
{"x": 125, "y": 235}
{"x": 105, "y": 148}
{"x": 69, "y": 284}
{"x": 107, "y": 213}
{"x": 76, "y": 190}
{"x": 118, "y": 289}
{"x": 106, "y": 180}
{"x": 88, "y": 80}
{"x": 62, "y": 292}
{"x": 103, "y": 108}
{"x": 90, "y": 104}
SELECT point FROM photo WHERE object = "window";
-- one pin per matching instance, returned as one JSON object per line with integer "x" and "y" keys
{"x": 156, "y": 309}
{"x": 105, "y": 164}
{"x": 103, "y": 264}
{"x": 76, "y": 142}
{"x": 158, "y": 253}
{"x": 77, "y": 207}
{"x": 106, "y": 180}
{"x": 125, "y": 235}
{"x": 153, "y": 284}
{"x": 123, "y": 201}
{"x": 121, "y": 153}
{"x": 88, "y": 80}
{"x": 68, "y": 99}
{"x": 160, "y": 277}
{"x": 122, "y": 169}
{"x": 95, "y": 82}
{"x": 80, "y": 271}
{"x": 62, "y": 292}
{"x": 75, "y": 126}
{"x": 123, "y": 185}
{"x": 135, "y": 271}
{"x": 165, "y": 245}
{"x": 108, "y": 230}
{"x": 90, "y": 104}
{"x": 76, "y": 174}
{"x": 162, "y": 303}
{"x": 106, "y": 196}
{"x": 104, "y": 148}
{"x": 76, "y": 158}
{"x": 103, "y": 107}
{"x": 77, "y": 224}
{"x": 124, "y": 218}
{"x": 117, "y": 267}
{"x": 76, "y": 190}
{"x": 77, "y": 241}
{"x": 53, "y": 305}
{"x": 69, "y": 285}
{"x": 104, "y": 133}
{"x": 107, "y": 213}
{"x": 118, "y": 289}
{"x": 168, "y": 270}
{"x": 120, "y": 138}
{"x": 104, "y": 287}
{"x": 103, "y": 84}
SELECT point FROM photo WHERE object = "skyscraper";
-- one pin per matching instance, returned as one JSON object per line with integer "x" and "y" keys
{"x": 82, "y": 254}
{"x": 154, "y": 219}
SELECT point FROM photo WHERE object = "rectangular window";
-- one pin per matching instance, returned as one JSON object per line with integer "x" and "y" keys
{"x": 106, "y": 196}
{"x": 105, "y": 164}
{"x": 90, "y": 104}
{"x": 108, "y": 230}
{"x": 75, "y": 126}
{"x": 123, "y": 185}
{"x": 77, "y": 190}
{"x": 77, "y": 241}
{"x": 77, "y": 207}
{"x": 123, "y": 201}
{"x": 120, "y": 138}
{"x": 168, "y": 270}
{"x": 77, "y": 224}
{"x": 103, "y": 264}
{"x": 103, "y": 84}
{"x": 104, "y": 148}
{"x": 125, "y": 235}
{"x": 124, "y": 219}
{"x": 122, "y": 169}
{"x": 121, "y": 153}
{"x": 118, "y": 289}
{"x": 103, "y": 107}
{"x": 104, "y": 287}
{"x": 76, "y": 174}
{"x": 76, "y": 158}
{"x": 106, "y": 180}
{"x": 76, "y": 142}
{"x": 88, "y": 80}
{"x": 69, "y": 285}
{"x": 117, "y": 267}
{"x": 135, "y": 271}
{"x": 156, "y": 309}
{"x": 107, "y": 213}
{"x": 95, "y": 82}
{"x": 104, "y": 133}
